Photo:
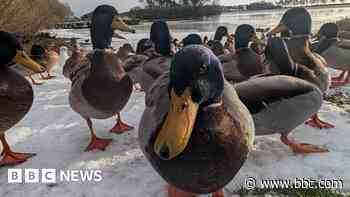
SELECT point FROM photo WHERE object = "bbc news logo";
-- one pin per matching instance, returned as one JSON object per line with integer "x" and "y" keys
{"x": 52, "y": 176}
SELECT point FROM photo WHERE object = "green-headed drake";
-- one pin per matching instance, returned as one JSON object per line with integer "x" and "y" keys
{"x": 282, "y": 101}
{"x": 245, "y": 63}
{"x": 100, "y": 86}
{"x": 297, "y": 23}
{"x": 195, "y": 131}
{"x": 16, "y": 93}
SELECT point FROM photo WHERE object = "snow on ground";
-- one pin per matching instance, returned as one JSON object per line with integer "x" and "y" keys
{"x": 59, "y": 136}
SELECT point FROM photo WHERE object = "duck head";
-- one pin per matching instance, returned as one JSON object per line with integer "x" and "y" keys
{"x": 192, "y": 39}
{"x": 244, "y": 35}
{"x": 296, "y": 21}
{"x": 105, "y": 20}
{"x": 277, "y": 53}
{"x": 221, "y": 32}
{"x": 196, "y": 81}
{"x": 160, "y": 36}
{"x": 12, "y": 52}
{"x": 328, "y": 31}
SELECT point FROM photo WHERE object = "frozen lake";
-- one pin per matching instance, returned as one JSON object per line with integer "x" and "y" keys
{"x": 59, "y": 136}
{"x": 207, "y": 26}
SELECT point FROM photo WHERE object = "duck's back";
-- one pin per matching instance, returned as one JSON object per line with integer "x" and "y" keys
{"x": 337, "y": 55}
{"x": 16, "y": 98}
{"x": 152, "y": 69}
{"x": 279, "y": 103}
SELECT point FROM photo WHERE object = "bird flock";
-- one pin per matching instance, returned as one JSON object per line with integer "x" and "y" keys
{"x": 205, "y": 100}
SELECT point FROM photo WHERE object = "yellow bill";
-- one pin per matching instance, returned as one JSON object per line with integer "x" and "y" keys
{"x": 176, "y": 131}
{"x": 23, "y": 59}
{"x": 119, "y": 24}
{"x": 278, "y": 29}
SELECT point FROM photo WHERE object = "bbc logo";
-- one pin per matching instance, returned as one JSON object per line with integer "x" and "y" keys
{"x": 52, "y": 175}
{"x": 31, "y": 176}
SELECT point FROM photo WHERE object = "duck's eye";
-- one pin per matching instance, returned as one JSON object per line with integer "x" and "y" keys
{"x": 203, "y": 69}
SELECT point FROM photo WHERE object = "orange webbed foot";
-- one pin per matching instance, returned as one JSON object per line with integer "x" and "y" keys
{"x": 316, "y": 122}
{"x": 12, "y": 158}
{"x": 121, "y": 127}
{"x": 302, "y": 148}
{"x": 98, "y": 144}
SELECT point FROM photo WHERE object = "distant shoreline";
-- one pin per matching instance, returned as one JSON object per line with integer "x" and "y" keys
{"x": 217, "y": 12}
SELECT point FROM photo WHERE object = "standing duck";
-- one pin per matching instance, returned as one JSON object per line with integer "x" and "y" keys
{"x": 297, "y": 22}
{"x": 48, "y": 59}
{"x": 282, "y": 101}
{"x": 336, "y": 52}
{"x": 100, "y": 86}
{"x": 134, "y": 64}
{"x": 203, "y": 153}
{"x": 245, "y": 63}
{"x": 16, "y": 93}
{"x": 159, "y": 62}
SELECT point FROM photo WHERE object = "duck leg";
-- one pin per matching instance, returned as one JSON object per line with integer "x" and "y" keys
{"x": 340, "y": 81}
{"x": 35, "y": 82}
{"x": 9, "y": 157}
{"x": 316, "y": 122}
{"x": 121, "y": 127}
{"x": 96, "y": 143}
{"x": 302, "y": 147}
{"x": 174, "y": 192}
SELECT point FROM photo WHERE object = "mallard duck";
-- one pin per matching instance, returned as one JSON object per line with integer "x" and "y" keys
{"x": 216, "y": 132}
{"x": 16, "y": 94}
{"x": 336, "y": 51}
{"x": 100, "y": 86}
{"x": 159, "y": 62}
{"x": 282, "y": 101}
{"x": 134, "y": 63}
{"x": 46, "y": 58}
{"x": 220, "y": 33}
{"x": 245, "y": 63}
{"x": 297, "y": 22}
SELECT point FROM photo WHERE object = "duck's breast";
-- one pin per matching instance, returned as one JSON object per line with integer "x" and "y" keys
{"x": 16, "y": 98}
{"x": 108, "y": 87}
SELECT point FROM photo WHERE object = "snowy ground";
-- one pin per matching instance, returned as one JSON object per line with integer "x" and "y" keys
{"x": 59, "y": 136}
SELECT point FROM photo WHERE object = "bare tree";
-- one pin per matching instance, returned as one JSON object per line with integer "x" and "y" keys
{"x": 31, "y": 16}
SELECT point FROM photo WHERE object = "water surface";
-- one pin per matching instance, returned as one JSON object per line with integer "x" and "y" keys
{"x": 208, "y": 25}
